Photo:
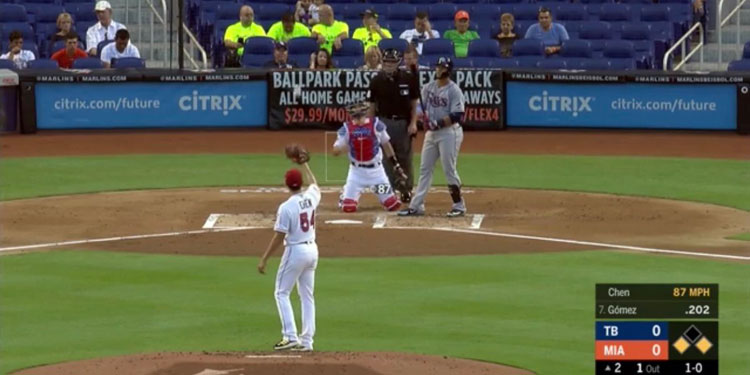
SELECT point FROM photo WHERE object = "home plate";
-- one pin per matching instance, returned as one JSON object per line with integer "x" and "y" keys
{"x": 344, "y": 222}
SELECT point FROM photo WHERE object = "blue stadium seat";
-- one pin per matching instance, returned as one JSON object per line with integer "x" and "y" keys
{"x": 350, "y": 47}
{"x": 635, "y": 2}
{"x": 528, "y": 61}
{"x": 552, "y": 64}
{"x": 44, "y": 12}
{"x": 230, "y": 11}
{"x": 504, "y": 1}
{"x": 400, "y": 44}
{"x": 463, "y": 63}
{"x": 88, "y": 63}
{"x": 24, "y": 28}
{"x": 746, "y": 51}
{"x": 348, "y": 62}
{"x": 525, "y": 12}
{"x": 272, "y": 11}
{"x": 443, "y": 11}
{"x": 353, "y": 10}
{"x": 443, "y": 25}
{"x": 486, "y": 12}
{"x": 43, "y": 64}
{"x": 528, "y": 47}
{"x": 484, "y": 48}
{"x": 639, "y": 34}
{"x": 622, "y": 64}
{"x": 60, "y": 44}
{"x": 381, "y": 9}
{"x": 7, "y": 64}
{"x": 300, "y": 50}
{"x": 576, "y": 48}
{"x": 596, "y": 1}
{"x": 258, "y": 51}
{"x": 101, "y": 46}
{"x": 401, "y": 12}
{"x": 592, "y": 64}
{"x": 739, "y": 66}
{"x": 13, "y": 13}
{"x": 129, "y": 63}
{"x": 396, "y": 27}
{"x": 655, "y": 13}
{"x": 503, "y": 63}
{"x": 614, "y": 13}
{"x": 439, "y": 47}
{"x": 596, "y": 32}
{"x": 619, "y": 49}
{"x": 570, "y": 12}
{"x": 82, "y": 12}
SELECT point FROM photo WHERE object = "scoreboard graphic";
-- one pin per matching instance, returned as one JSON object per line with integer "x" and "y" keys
{"x": 664, "y": 329}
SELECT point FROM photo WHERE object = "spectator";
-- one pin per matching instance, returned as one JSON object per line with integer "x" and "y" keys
{"x": 321, "y": 60}
{"x": 19, "y": 56}
{"x": 551, "y": 34}
{"x": 411, "y": 59}
{"x": 699, "y": 15}
{"x": 287, "y": 29}
{"x": 64, "y": 26}
{"x": 329, "y": 33}
{"x": 373, "y": 59}
{"x": 120, "y": 48}
{"x": 65, "y": 57}
{"x": 237, "y": 33}
{"x": 306, "y": 12}
{"x": 422, "y": 31}
{"x": 280, "y": 58}
{"x": 371, "y": 32}
{"x": 103, "y": 30}
{"x": 506, "y": 36}
{"x": 461, "y": 36}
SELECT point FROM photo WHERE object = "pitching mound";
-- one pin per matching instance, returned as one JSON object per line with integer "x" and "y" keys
{"x": 277, "y": 364}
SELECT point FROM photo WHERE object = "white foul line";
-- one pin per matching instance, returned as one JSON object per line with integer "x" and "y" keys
{"x": 121, "y": 238}
{"x": 272, "y": 356}
{"x": 576, "y": 242}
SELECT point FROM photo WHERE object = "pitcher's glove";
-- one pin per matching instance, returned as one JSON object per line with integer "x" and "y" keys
{"x": 400, "y": 180}
{"x": 297, "y": 153}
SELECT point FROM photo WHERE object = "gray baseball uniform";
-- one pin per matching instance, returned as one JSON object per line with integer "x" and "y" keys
{"x": 443, "y": 143}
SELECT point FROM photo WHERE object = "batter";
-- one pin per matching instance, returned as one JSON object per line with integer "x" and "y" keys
{"x": 444, "y": 107}
{"x": 363, "y": 137}
{"x": 295, "y": 224}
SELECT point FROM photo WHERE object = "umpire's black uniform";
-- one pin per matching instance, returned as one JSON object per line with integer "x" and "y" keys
{"x": 393, "y": 93}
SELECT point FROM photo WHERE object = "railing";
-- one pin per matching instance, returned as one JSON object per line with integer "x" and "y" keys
{"x": 721, "y": 22}
{"x": 162, "y": 19}
{"x": 681, "y": 43}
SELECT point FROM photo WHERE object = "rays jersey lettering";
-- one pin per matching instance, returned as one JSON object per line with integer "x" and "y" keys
{"x": 296, "y": 216}
{"x": 442, "y": 101}
{"x": 363, "y": 140}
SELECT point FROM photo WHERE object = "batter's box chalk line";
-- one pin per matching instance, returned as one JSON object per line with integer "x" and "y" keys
{"x": 424, "y": 221}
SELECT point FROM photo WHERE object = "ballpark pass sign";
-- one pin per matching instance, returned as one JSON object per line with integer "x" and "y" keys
{"x": 317, "y": 99}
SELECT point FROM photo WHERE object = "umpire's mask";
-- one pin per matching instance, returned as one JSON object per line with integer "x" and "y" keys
{"x": 391, "y": 61}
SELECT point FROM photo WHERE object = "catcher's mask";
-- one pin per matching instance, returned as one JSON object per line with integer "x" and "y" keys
{"x": 358, "y": 109}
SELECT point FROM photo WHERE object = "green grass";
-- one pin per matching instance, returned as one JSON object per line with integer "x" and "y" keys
{"x": 741, "y": 237}
{"x": 532, "y": 311}
{"x": 722, "y": 182}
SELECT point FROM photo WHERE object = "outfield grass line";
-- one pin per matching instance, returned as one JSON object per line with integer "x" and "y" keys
{"x": 122, "y": 238}
{"x": 576, "y": 242}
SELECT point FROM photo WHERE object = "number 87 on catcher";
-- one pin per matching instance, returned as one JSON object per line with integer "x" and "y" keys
{"x": 363, "y": 137}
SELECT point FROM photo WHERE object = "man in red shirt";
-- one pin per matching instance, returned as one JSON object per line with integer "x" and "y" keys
{"x": 65, "y": 57}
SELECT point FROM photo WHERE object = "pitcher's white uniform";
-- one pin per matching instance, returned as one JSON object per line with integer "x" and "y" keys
{"x": 296, "y": 218}
{"x": 366, "y": 166}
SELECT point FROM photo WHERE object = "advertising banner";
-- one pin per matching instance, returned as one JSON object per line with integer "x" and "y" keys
{"x": 622, "y": 105}
{"x": 146, "y": 104}
{"x": 316, "y": 99}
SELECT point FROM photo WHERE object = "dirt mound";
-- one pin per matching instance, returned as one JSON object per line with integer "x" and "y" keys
{"x": 328, "y": 363}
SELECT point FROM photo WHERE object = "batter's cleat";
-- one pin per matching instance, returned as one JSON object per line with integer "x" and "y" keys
{"x": 410, "y": 212}
{"x": 285, "y": 344}
{"x": 455, "y": 213}
{"x": 301, "y": 348}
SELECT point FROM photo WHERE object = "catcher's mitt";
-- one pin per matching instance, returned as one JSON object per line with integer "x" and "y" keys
{"x": 400, "y": 180}
{"x": 297, "y": 153}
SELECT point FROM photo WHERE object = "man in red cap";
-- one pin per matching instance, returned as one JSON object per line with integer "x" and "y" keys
{"x": 461, "y": 36}
{"x": 295, "y": 224}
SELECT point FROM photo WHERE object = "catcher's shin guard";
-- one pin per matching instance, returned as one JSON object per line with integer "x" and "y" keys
{"x": 349, "y": 205}
{"x": 455, "y": 193}
{"x": 391, "y": 203}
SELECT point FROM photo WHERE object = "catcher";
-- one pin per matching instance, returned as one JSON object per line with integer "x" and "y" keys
{"x": 363, "y": 137}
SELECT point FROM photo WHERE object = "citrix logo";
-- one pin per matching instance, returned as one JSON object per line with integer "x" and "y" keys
{"x": 223, "y": 103}
{"x": 550, "y": 103}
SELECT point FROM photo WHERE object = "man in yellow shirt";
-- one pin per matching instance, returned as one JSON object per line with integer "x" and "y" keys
{"x": 371, "y": 33}
{"x": 287, "y": 29}
{"x": 236, "y": 34}
{"x": 329, "y": 33}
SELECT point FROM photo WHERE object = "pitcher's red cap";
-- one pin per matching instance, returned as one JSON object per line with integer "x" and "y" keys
{"x": 293, "y": 179}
